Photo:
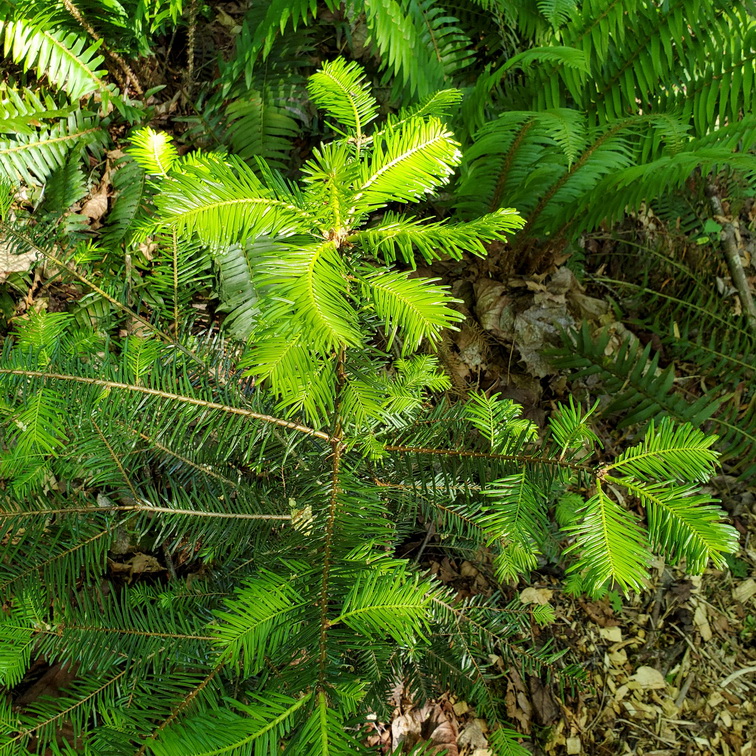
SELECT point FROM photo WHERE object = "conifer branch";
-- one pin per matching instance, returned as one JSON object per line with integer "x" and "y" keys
{"x": 176, "y": 711}
{"x": 61, "y": 555}
{"x": 171, "y": 397}
{"x": 142, "y": 508}
{"x": 556, "y": 462}
{"x": 115, "y": 458}
{"x": 61, "y": 714}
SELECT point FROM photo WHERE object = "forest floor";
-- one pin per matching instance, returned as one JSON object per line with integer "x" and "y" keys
{"x": 671, "y": 671}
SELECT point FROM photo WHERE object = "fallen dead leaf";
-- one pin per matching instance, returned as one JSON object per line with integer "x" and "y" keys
{"x": 543, "y": 702}
{"x": 649, "y": 678}
{"x": 613, "y": 633}
{"x": 12, "y": 263}
{"x": 472, "y": 735}
{"x": 745, "y": 591}
{"x": 702, "y": 623}
{"x": 540, "y": 596}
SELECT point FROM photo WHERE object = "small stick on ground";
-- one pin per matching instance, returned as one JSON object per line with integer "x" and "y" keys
{"x": 190, "y": 42}
{"x": 732, "y": 255}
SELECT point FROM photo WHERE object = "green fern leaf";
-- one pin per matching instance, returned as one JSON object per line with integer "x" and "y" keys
{"x": 32, "y": 158}
{"x": 67, "y": 59}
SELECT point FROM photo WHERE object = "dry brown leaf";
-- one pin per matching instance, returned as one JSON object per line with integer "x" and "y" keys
{"x": 745, "y": 591}
{"x": 649, "y": 678}
{"x": 473, "y": 736}
{"x": 11, "y": 263}
{"x": 540, "y": 596}
{"x": 544, "y": 704}
{"x": 702, "y": 623}
{"x": 97, "y": 205}
{"x": 612, "y": 633}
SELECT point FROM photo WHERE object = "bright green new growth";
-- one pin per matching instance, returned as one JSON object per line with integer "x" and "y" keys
{"x": 278, "y": 510}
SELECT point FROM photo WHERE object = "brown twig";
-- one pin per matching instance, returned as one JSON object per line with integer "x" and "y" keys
{"x": 190, "y": 44}
{"x": 732, "y": 255}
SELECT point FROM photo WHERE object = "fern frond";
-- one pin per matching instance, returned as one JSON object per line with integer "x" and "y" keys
{"x": 128, "y": 182}
{"x": 279, "y": 14}
{"x": 638, "y": 388}
{"x": 397, "y": 39}
{"x": 68, "y": 59}
{"x": 32, "y": 157}
{"x": 23, "y": 109}
{"x": 448, "y": 47}
{"x": 259, "y": 127}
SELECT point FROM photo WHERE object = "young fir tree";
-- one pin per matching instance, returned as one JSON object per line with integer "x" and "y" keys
{"x": 279, "y": 613}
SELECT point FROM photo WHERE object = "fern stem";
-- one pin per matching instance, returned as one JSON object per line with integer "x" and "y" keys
{"x": 732, "y": 255}
{"x": 511, "y": 152}
{"x": 112, "y": 54}
{"x": 190, "y": 43}
{"x": 171, "y": 397}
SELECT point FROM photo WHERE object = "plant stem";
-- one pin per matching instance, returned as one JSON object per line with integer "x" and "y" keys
{"x": 732, "y": 255}
{"x": 112, "y": 54}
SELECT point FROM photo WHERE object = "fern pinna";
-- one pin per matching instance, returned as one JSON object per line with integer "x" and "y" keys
{"x": 280, "y": 613}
